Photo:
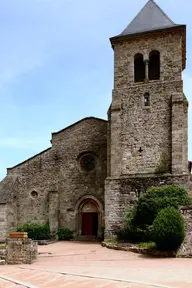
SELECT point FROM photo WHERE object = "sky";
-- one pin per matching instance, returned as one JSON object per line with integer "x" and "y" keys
{"x": 56, "y": 66}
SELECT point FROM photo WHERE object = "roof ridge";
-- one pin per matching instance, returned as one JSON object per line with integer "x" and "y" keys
{"x": 162, "y": 11}
{"x": 136, "y": 16}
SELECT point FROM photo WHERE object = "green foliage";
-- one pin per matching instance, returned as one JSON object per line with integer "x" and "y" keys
{"x": 147, "y": 245}
{"x": 65, "y": 234}
{"x": 164, "y": 166}
{"x": 133, "y": 234}
{"x": 35, "y": 231}
{"x": 138, "y": 222}
{"x": 153, "y": 201}
{"x": 167, "y": 230}
{"x": 113, "y": 240}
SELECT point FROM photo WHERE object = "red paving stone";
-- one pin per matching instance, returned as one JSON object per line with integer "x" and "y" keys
{"x": 96, "y": 261}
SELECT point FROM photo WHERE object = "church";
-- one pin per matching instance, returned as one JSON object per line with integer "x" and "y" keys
{"x": 95, "y": 170}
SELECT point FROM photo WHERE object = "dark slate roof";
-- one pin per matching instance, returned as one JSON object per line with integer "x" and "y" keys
{"x": 150, "y": 18}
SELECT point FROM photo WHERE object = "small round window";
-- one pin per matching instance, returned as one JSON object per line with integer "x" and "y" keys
{"x": 88, "y": 162}
{"x": 34, "y": 194}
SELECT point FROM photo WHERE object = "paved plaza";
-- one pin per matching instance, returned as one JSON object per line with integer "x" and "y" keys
{"x": 88, "y": 265}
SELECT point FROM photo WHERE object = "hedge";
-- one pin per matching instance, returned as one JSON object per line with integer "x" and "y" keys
{"x": 35, "y": 231}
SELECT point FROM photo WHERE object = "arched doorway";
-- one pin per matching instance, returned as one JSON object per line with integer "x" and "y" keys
{"x": 89, "y": 217}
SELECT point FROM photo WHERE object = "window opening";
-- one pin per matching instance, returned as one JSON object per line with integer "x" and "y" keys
{"x": 146, "y": 100}
{"x": 154, "y": 65}
{"x": 139, "y": 68}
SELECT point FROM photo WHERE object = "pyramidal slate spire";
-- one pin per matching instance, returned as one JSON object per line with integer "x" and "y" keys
{"x": 150, "y": 18}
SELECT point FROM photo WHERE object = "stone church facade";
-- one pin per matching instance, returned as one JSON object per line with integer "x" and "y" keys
{"x": 95, "y": 169}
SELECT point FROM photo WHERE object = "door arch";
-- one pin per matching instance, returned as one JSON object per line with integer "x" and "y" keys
{"x": 89, "y": 216}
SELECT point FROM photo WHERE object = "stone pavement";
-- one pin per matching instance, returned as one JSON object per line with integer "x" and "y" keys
{"x": 88, "y": 265}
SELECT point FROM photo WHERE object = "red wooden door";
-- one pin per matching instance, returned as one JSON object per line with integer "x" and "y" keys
{"x": 87, "y": 224}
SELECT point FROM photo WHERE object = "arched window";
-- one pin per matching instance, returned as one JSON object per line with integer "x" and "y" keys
{"x": 146, "y": 100}
{"x": 139, "y": 68}
{"x": 154, "y": 65}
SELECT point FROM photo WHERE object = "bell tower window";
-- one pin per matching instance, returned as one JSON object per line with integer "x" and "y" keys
{"x": 139, "y": 68}
{"x": 154, "y": 65}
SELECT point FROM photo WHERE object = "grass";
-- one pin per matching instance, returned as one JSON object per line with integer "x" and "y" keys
{"x": 113, "y": 240}
{"x": 147, "y": 245}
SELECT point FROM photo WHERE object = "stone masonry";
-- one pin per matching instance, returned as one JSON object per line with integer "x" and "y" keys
{"x": 47, "y": 187}
{"x": 185, "y": 250}
{"x": 95, "y": 170}
{"x": 21, "y": 251}
{"x": 148, "y": 144}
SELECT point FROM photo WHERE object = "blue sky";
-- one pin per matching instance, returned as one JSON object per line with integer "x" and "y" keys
{"x": 56, "y": 66}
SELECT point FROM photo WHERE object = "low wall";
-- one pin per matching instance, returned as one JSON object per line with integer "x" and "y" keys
{"x": 21, "y": 251}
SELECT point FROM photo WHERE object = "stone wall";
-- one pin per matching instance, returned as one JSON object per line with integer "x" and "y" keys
{"x": 165, "y": 43}
{"x": 51, "y": 183}
{"x": 3, "y": 222}
{"x": 75, "y": 182}
{"x": 158, "y": 131}
{"x": 121, "y": 195}
{"x": 186, "y": 211}
{"x": 21, "y": 251}
{"x": 185, "y": 250}
{"x": 148, "y": 145}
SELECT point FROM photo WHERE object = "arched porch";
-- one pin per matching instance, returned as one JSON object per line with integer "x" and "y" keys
{"x": 89, "y": 217}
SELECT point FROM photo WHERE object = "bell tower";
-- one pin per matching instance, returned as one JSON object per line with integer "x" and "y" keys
{"x": 148, "y": 116}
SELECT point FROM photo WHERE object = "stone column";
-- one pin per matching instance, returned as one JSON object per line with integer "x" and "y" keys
{"x": 185, "y": 136}
{"x": 146, "y": 70}
{"x": 113, "y": 217}
{"x": 53, "y": 211}
{"x": 178, "y": 129}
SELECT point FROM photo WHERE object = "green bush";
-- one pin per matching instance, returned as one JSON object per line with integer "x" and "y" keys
{"x": 65, "y": 234}
{"x": 133, "y": 235}
{"x": 35, "y": 231}
{"x": 167, "y": 230}
{"x": 153, "y": 201}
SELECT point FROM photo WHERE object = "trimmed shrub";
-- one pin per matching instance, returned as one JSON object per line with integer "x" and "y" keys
{"x": 35, "y": 231}
{"x": 65, "y": 234}
{"x": 154, "y": 200}
{"x": 167, "y": 230}
{"x": 133, "y": 235}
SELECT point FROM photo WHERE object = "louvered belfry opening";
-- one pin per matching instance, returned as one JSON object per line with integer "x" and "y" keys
{"x": 154, "y": 65}
{"x": 139, "y": 68}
